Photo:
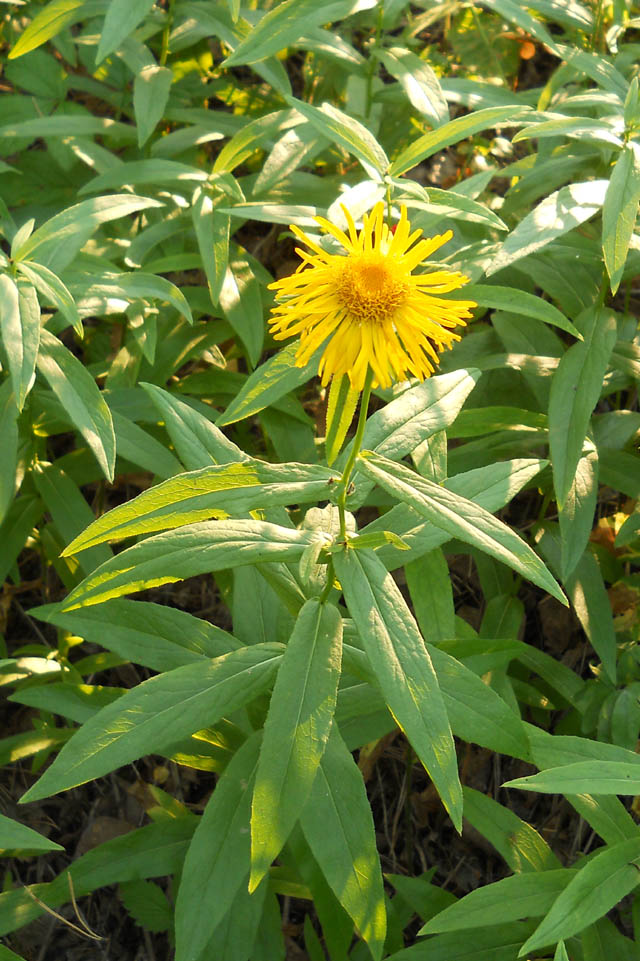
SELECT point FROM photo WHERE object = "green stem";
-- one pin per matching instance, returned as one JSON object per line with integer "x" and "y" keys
{"x": 355, "y": 450}
{"x": 373, "y": 63}
{"x": 164, "y": 52}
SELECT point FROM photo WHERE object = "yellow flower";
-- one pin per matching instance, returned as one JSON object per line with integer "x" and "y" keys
{"x": 368, "y": 306}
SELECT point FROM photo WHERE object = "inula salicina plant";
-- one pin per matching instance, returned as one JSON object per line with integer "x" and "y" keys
{"x": 332, "y": 309}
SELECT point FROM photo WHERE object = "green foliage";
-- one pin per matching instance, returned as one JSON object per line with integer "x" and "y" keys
{"x": 153, "y": 157}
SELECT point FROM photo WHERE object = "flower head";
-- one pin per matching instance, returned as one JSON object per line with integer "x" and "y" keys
{"x": 368, "y": 305}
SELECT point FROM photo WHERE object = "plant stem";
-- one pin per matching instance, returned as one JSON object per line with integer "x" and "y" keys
{"x": 355, "y": 450}
{"x": 373, "y": 64}
{"x": 164, "y": 52}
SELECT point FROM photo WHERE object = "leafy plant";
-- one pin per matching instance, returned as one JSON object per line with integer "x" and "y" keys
{"x": 157, "y": 162}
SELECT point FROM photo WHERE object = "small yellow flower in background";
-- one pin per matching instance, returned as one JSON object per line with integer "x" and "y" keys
{"x": 368, "y": 305}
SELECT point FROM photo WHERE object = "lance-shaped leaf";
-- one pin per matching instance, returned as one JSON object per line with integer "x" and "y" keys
{"x": 78, "y": 393}
{"x": 20, "y": 325}
{"x": 217, "y": 861}
{"x": 556, "y": 215}
{"x": 53, "y": 291}
{"x": 47, "y": 23}
{"x": 575, "y": 390}
{"x": 122, "y": 17}
{"x": 343, "y": 400}
{"x": 620, "y": 211}
{"x": 527, "y": 895}
{"x": 158, "y": 713}
{"x": 520, "y": 302}
{"x": 195, "y": 549}
{"x": 150, "y": 852}
{"x": 271, "y": 381}
{"x": 398, "y": 428}
{"x": 584, "y": 777}
{"x": 212, "y": 491}
{"x": 403, "y": 668}
{"x": 14, "y": 835}
{"x": 607, "y": 878}
{"x": 460, "y": 518}
{"x": 338, "y": 827}
{"x": 348, "y": 133}
{"x": 453, "y": 132}
{"x": 57, "y": 241}
{"x": 197, "y": 441}
{"x": 154, "y": 635}
{"x": 296, "y": 731}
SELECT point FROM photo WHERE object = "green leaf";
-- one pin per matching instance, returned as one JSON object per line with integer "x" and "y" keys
{"x": 195, "y": 549}
{"x": 348, "y": 133}
{"x": 296, "y": 731}
{"x": 453, "y": 132}
{"x": 271, "y": 381}
{"x": 150, "y": 171}
{"x": 150, "y": 94}
{"x": 578, "y": 511}
{"x": 620, "y": 210}
{"x": 147, "y": 903}
{"x": 584, "y": 777}
{"x": 72, "y": 227}
{"x": 196, "y": 440}
{"x": 77, "y": 702}
{"x": 343, "y": 400}
{"x": 519, "y": 302}
{"x": 15, "y": 836}
{"x": 489, "y": 487}
{"x": 198, "y": 495}
{"x": 419, "y": 82}
{"x": 68, "y": 125}
{"x": 241, "y": 303}
{"x": 251, "y": 136}
{"x": 20, "y": 326}
{"x": 598, "y": 68}
{"x": 580, "y": 128}
{"x": 403, "y": 669}
{"x": 137, "y": 446}
{"x": 47, "y": 23}
{"x": 10, "y": 435}
{"x": 153, "y": 635}
{"x": 460, "y": 518}
{"x": 285, "y": 24}
{"x": 556, "y": 215}
{"x": 338, "y": 826}
{"x": 158, "y": 713}
{"x": 495, "y": 943}
{"x": 53, "y": 291}
{"x": 78, "y": 393}
{"x": 212, "y": 234}
{"x": 527, "y": 895}
{"x": 429, "y": 583}
{"x": 575, "y": 391}
{"x": 521, "y": 18}
{"x": 607, "y": 878}
{"x": 588, "y": 595}
{"x": 122, "y": 17}
{"x": 476, "y": 713}
{"x": 69, "y": 510}
{"x": 7, "y": 955}
{"x": 17, "y": 524}
{"x": 406, "y": 422}
{"x": 217, "y": 862}
{"x": 152, "y": 851}
{"x": 606, "y": 815}
{"x": 136, "y": 285}
{"x": 523, "y": 849}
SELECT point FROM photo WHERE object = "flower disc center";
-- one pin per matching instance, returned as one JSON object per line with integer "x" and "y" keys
{"x": 371, "y": 287}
